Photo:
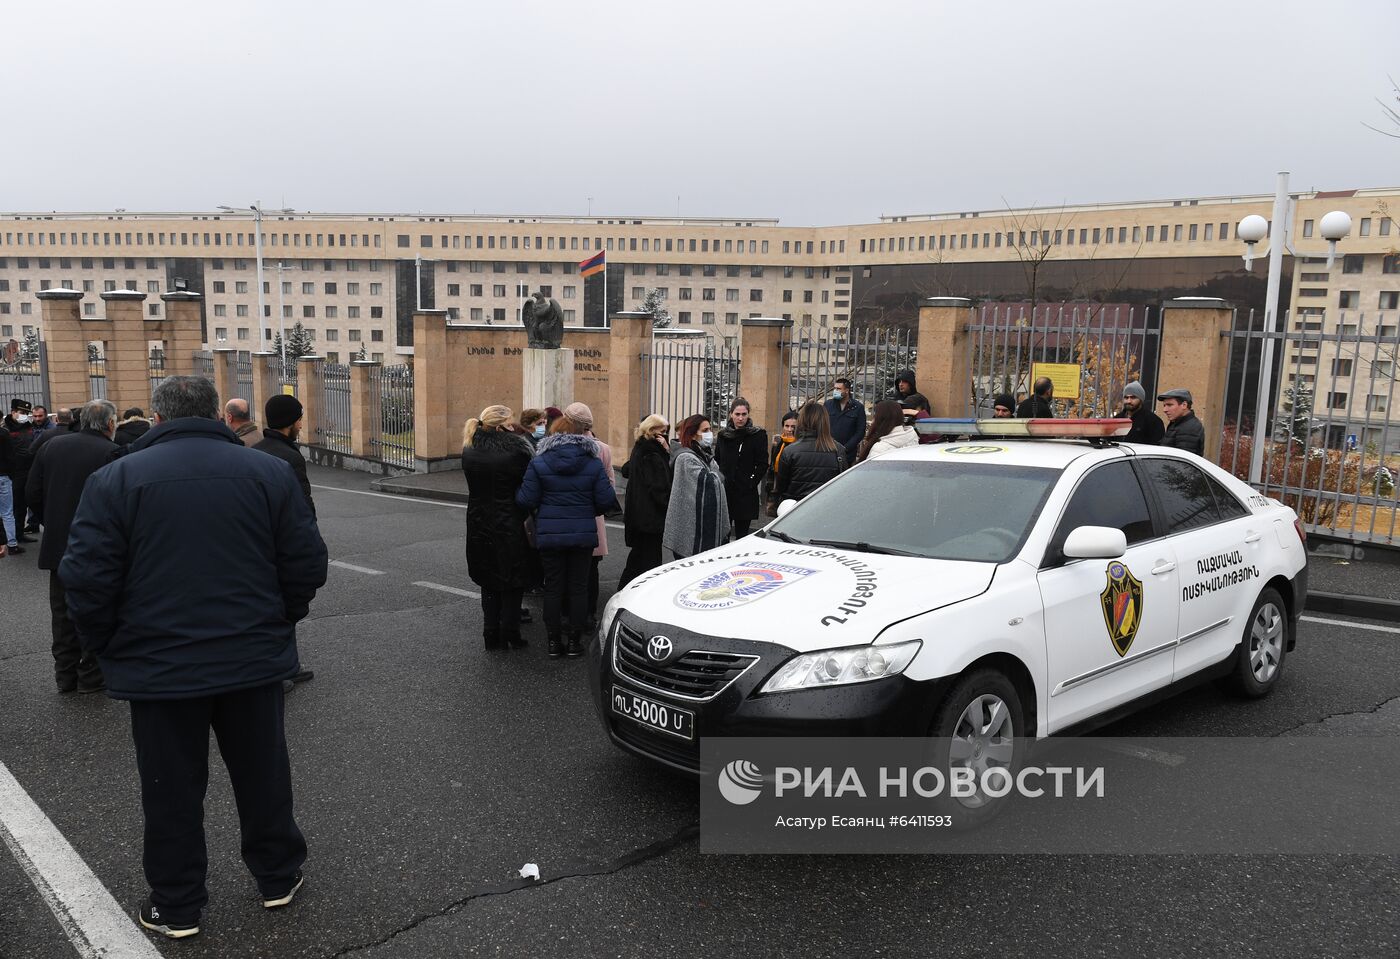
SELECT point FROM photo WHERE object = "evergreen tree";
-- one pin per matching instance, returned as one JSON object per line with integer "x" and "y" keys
{"x": 29, "y": 350}
{"x": 361, "y": 355}
{"x": 299, "y": 343}
{"x": 655, "y": 304}
{"x": 1298, "y": 422}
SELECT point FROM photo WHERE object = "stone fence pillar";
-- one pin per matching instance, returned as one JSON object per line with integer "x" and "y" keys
{"x": 431, "y": 435}
{"x": 629, "y": 336}
{"x": 66, "y": 336}
{"x": 182, "y": 332}
{"x": 226, "y": 376}
{"x": 308, "y": 391}
{"x": 944, "y": 367}
{"x": 266, "y": 382}
{"x": 763, "y": 371}
{"x": 127, "y": 351}
{"x": 1195, "y": 355}
{"x": 361, "y": 410}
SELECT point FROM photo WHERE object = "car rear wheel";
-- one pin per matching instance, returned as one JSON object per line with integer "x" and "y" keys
{"x": 1259, "y": 658}
{"x": 978, "y": 727}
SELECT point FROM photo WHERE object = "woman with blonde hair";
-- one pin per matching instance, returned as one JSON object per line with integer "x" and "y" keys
{"x": 648, "y": 473}
{"x": 494, "y": 460}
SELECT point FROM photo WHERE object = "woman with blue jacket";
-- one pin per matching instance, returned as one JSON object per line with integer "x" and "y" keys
{"x": 567, "y": 488}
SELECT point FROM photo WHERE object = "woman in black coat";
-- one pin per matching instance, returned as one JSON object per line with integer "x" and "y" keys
{"x": 741, "y": 450}
{"x": 494, "y": 460}
{"x": 812, "y": 460}
{"x": 648, "y": 473}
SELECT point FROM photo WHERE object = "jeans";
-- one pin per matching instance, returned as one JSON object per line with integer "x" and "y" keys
{"x": 566, "y": 583}
{"x": 7, "y": 510}
{"x": 172, "y": 756}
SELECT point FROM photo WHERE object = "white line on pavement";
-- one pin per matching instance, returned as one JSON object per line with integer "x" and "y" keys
{"x": 416, "y": 499}
{"x": 1343, "y": 622}
{"x": 357, "y": 569}
{"x": 449, "y": 589}
{"x": 90, "y": 917}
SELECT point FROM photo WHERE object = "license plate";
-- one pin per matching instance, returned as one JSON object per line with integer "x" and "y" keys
{"x": 653, "y": 715}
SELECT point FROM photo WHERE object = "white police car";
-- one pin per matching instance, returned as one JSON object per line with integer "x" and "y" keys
{"x": 976, "y": 591}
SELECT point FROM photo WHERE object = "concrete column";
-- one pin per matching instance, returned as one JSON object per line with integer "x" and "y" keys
{"x": 431, "y": 435}
{"x": 183, "y": 333}
{"x": 763, "y": 372}
{"x": 66, "y": 337}
{"x": 629, "y": 337}
{"x": 266, "y": 382}
{"x": 308, "y": 383}
{"x": 1195, "y": 355}
{"x": 361, "y": 411}
{"x": 128, "y": 356}
{"x": 944, "y": 366}
{"x": 226, "y": 376}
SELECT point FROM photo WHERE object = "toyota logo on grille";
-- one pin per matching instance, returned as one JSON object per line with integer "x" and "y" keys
{"x": 659, "y": 648}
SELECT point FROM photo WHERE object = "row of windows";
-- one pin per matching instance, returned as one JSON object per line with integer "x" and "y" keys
{"x": 428, "y": 241}
{"x": 1351, "y": 299}
{"x": 1364, "y": 227}
{"x": 308, "y": 311}
{"x": 331, "y": 335}
{"x": 1040, "y": 239}
{"x": 190, "y": 239}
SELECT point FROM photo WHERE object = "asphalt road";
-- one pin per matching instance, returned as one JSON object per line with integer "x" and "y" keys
{"x": 427, "y": 772}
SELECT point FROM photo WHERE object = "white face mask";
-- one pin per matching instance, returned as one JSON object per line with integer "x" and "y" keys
{"x": 707, "y": 439}
{"x": 22, "y": 418}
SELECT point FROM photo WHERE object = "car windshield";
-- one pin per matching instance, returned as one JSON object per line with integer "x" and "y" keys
{"x": 956, "y": 511}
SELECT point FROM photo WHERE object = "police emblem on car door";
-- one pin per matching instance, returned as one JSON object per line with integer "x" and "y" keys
{"x": 1121, "y": 600}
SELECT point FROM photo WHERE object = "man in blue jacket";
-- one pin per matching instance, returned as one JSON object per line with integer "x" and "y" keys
{"x": 188, "y": 562}
{"x": 847, "y": 418}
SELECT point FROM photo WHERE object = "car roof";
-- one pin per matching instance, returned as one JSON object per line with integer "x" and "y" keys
{"x": 1048, "y": 453}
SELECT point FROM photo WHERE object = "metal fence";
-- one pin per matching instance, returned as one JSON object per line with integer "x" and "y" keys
{"x": 244, "y": 376}
{"x": 333, "y": 407}
{"x": 869, "y": 358}
{"x": 682, "y": 376}
{"x": 1091, "y": 351}
{"x": 155, "y": 366}
{"x": 1328, "y": 445}
{"x": 287, "y": 375}
{"x": 97, "y": 376}
{"x": 204, "y": 364}
{"x": 391, "y": 428}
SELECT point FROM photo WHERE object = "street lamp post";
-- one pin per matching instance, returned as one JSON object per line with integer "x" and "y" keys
{"x": 1252, "y": 229}
{"x": 256, "y": 210}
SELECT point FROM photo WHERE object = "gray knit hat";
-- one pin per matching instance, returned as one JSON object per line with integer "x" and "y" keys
{"x": 1135, "y": 389}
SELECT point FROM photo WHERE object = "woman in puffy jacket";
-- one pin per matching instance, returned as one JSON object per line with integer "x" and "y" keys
{"x": 494, "y": 459}
{"x": 567, "y": 489}
{"x": 648, "y": 473}
{"x": 887, "y": 432}
{"x": 812, "y": 460}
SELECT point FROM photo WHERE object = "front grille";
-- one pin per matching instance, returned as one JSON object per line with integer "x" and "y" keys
{"x": 698, "y": 675}
{"x": 666, "y": 748}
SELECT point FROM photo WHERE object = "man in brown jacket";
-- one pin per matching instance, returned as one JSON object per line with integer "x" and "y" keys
{"x": 238, "y": 420}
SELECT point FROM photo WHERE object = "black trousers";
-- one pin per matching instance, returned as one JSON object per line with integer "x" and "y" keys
{"x": 644, "y": 556}
{"x": 72, "y": 665}
{"x": 172, "y": 755}
{"x": 566, "y": 573}
{"x": 741, "y": 528}
{"x": 593, "y": 587}
{"x": 501, "y": 609}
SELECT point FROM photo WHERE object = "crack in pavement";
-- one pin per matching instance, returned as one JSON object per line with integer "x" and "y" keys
{"x": 659, "y": 848}
{"x": 1351, "y": 712}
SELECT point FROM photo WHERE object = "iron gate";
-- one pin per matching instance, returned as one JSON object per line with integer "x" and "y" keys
{"x": 333, "y": 407}
{"x": 391, "y": 425}
{"x": 869, "y": 358}
{"x": 685, "y": 376}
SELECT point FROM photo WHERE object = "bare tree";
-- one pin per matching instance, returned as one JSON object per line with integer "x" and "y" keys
{"x": 1391, "y": 114}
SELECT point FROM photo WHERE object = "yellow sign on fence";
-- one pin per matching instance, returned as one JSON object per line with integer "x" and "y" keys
{"x": 1065, "y": 376}
{"x": 288, "y": 391}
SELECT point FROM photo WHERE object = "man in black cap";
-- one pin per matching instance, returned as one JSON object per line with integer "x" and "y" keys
{"x": 1004, "y": 406}
{"x": 1184, "y": 430}
{"x": 19, "y": 424}
{"x": 1147, "y": 426}
{"x": 282, "y": 413}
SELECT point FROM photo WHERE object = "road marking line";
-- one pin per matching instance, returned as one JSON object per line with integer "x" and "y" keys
{"x": 91, "y": 918}
{"x": 1342, "y": 622}
{"x": 394, "y": 496}
{"x": 357, "y": 569}
{"x": 449, "y": 589}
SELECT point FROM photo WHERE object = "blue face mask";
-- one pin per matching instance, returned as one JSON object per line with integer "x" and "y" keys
{"x": 837, "y": 395}
{"x": 539, "y": 430}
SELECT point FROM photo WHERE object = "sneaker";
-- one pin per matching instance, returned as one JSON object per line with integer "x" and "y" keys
{"x": 99, "y": 688}
{"x": 15, "y": 550}
{"x": 152, "y": 919}
{"x": 287, "y": 686}
{"x": 575, "y": 649}
{"x": 277, "y": 902}
{"x": 556, "y": 646}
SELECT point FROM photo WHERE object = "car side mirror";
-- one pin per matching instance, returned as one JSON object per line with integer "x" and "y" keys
{"x": 1095, "y": 542}
{"x": 786, "y": 506}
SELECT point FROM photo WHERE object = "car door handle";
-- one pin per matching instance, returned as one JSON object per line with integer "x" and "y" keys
{"x": 1163, "y": 569}
{"x": 1252, "y": 537}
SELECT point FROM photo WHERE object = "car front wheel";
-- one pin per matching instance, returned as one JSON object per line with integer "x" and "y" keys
{"x": 979, "y": 727}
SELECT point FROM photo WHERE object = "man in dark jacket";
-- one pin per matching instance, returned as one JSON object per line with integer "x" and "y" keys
{"x": 1037, "y": 405}
{"x": 847, "y": 418}
{"x": 741, "y": 450}
{"x": 133, "y": 426}
{"x": 188, "y": 563}
{"x": 907, "y": 395}
{"x": 55, "y": 486}
{"x": 1147, "y": 426}
{"x": 283, "y": 416}
{"x": 1184, "y": 430}
{"x": 8, "y": 542}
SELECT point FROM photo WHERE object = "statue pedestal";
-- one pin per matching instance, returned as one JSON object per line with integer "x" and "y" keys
{"x": 548, "y": 378}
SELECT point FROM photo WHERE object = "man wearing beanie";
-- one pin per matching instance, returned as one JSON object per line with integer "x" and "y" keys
{"x": 1147, "y": 426}
{"x": 282, "y": 415}
{"x": 1004, "y": 406}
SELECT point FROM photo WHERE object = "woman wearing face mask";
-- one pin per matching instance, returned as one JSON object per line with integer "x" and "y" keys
{"x": 782, "y": 441}
{"x": 813, "y": 459}
{"x": 648, "y": 474}
{"x": 532, "y": 425}
{"x": 697, "y": 517}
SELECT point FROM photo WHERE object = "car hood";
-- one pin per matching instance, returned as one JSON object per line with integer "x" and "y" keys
{"x": 802, "y": 597}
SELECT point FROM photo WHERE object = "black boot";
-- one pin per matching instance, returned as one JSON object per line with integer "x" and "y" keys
{"x": 556, "y": 646}
{"x": 513, "y": 639}
{"x": 575, "y": 646}
{"x": 493, "y": 638}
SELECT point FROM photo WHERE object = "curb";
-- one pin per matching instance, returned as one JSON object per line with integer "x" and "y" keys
{"x": 1347, "y": 604}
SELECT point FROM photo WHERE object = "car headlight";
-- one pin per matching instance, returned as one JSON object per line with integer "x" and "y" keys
{"x": 605, "y": 622}
{"x": 840, "y": 667}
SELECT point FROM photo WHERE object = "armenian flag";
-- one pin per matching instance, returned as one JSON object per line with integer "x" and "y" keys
{"x": 596, "y": 263}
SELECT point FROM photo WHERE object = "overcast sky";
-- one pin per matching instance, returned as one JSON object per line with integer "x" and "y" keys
{"x": 813, "y": 112}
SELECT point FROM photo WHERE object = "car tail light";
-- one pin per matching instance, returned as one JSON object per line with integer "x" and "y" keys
{"x": 1302, "y": 533}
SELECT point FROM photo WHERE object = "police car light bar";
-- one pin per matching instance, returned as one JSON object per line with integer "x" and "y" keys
{"x": 1095, "y": 429}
